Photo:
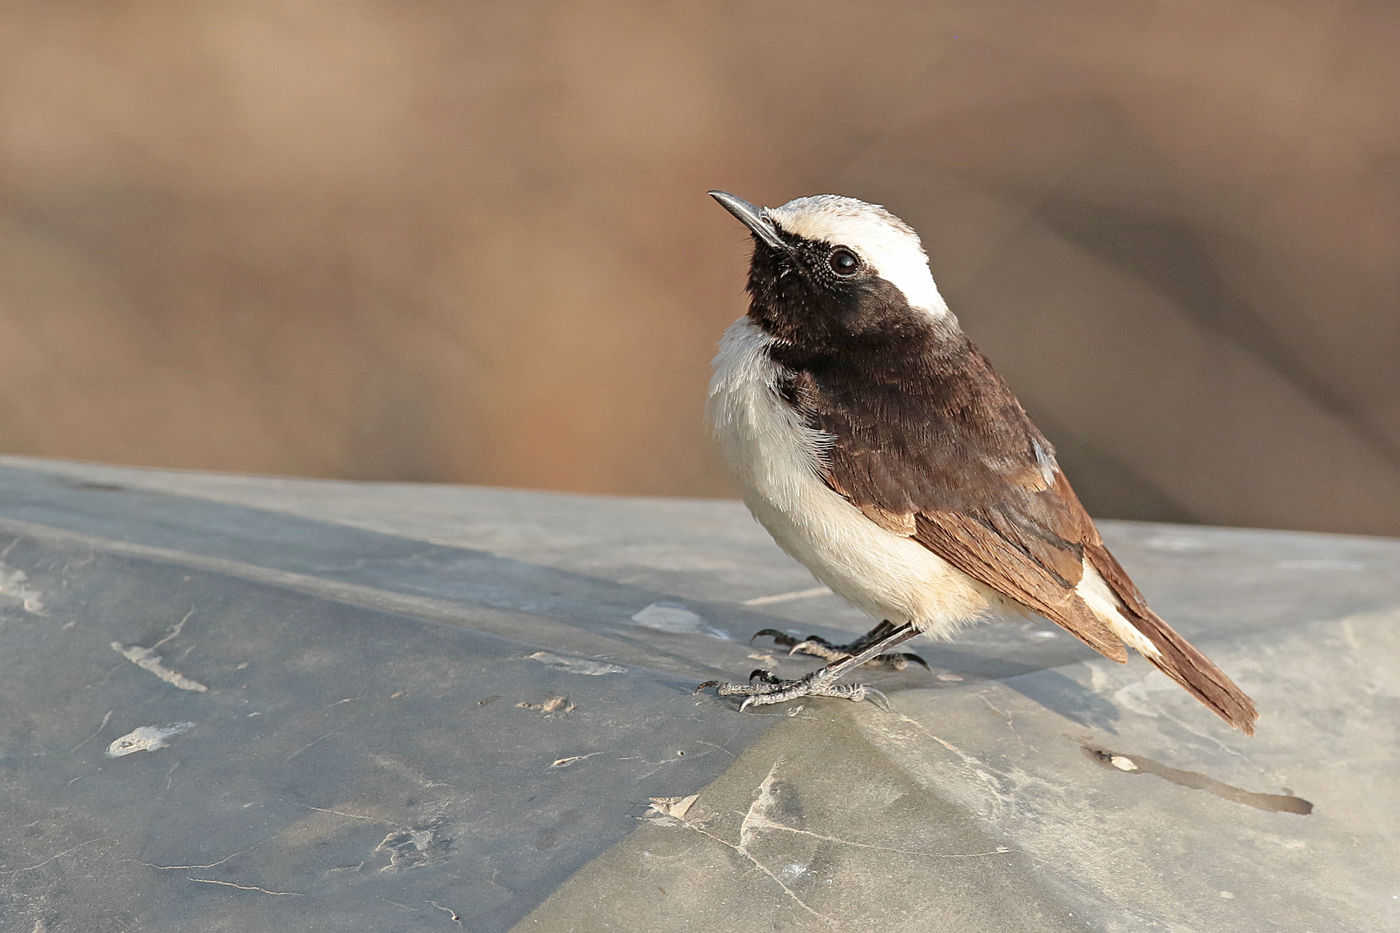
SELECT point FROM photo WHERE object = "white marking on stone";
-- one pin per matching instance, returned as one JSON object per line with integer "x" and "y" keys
{"x": 788, "y": 597}
{"x": 576, "y": 665}
{"x": 146, "y": 739}
{"x": 669, "y": 617}
{"x": 14, "y": 585}
{"x": 148, "y": 660}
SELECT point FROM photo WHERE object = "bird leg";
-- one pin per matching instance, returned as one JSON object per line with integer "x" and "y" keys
{"x": 820, "y": 683}
{"x": 819, "y": 647}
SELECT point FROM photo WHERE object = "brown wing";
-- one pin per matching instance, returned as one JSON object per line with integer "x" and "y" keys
{"x": 947, "y": 456}
{"x": 1036, "y": 564}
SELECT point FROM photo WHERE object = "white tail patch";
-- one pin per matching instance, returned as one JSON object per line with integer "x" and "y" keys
{"x": 1093, "y": 589}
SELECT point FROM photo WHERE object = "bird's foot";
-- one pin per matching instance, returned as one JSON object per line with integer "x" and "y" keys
{"x": 819, "y": 647}
{"x": 773, "y": 689}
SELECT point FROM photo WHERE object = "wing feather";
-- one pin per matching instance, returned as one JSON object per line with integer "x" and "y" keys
{"x": 946, "y": 455}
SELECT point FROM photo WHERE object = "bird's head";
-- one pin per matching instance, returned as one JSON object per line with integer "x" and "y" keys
{"x": 827, "y": 268}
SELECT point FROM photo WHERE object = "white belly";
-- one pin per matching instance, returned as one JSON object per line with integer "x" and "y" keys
{"x": 773, "y": 454}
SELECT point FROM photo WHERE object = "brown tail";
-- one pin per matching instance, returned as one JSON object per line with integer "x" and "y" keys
{"x": 1179, "y": 660}
{"x": 1202, "y": 679}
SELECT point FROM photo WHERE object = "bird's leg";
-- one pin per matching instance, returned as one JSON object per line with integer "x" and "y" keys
{"x": 819, "y": 647}
{"x": 820, "y": 683}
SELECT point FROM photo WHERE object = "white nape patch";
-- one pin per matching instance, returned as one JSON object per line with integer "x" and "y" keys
{"x": 774, "y": 457}
{"x": 886, "y": 243}
{"x": 1094, "y": 590}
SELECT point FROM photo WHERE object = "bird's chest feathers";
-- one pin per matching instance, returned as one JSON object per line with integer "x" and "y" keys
{"x": 777, "y": 459}
{"x": 774, "y": 455}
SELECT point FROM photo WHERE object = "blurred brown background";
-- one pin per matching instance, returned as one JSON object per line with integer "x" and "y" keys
{"x": 470, "y": 242}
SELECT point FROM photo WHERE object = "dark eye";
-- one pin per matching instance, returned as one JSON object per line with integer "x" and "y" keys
{"x": 843, "y": 262}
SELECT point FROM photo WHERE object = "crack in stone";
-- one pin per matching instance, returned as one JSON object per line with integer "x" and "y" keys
{"x": 210, "y": 865}
{"x": 456, "y": 917}
{"x": 780, "y": 827}
{"x": 56, "y": 855}
{"x": 105, "y": 719}
{"x": 346, "y": 813}
{"x": 752, "y": 817}
{"x": 147, "y": 659}
{"x": 309, "y": 745}
{"x": 246, "y": 887}
{"x": 972, "y": 765}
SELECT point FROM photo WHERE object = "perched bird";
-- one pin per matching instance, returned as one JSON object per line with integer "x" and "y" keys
{"x": 880, "y": 449}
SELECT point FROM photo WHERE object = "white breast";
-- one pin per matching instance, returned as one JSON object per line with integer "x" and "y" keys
{"x": 773, "y": 455}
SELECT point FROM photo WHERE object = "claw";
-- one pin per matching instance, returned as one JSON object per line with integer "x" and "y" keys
{"x": 823, "y": 682}
{"x": 877, "y": 698}
{"x": 818, "y": 647}
{"x": 771, "y": 633}
{"x": 898, "y": 662}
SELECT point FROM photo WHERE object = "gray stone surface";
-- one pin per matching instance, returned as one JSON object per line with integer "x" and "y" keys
{"x": 256, "y": 704}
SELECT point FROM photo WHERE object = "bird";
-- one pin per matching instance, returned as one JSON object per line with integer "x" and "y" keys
{"x": 877, "y": 445}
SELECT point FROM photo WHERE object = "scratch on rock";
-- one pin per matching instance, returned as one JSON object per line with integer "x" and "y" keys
{"x": 787, "y": 597}
{"x": 456, "y": 917}
{"x": 175, "y": 630}
{"x": 147, "y": 659}
{"x": 757, "y": 818}
{"x": 1190, "y": 728}
{"x": 1010, "y": 723}
{"x": 754, "y": 817}
{"x": 971, "y": 763}
{"x": 763, "y": 868}
{"x": 780, "y": 827}
{"x": 719, "y": 747}
{"x": 402, "y": 768}
{"x": 54, "y": 857}
{"x": 565, "y": 762}
{"x": 246, "y": 887}
{"x": 214, "y": 864}
{"x": 347, "y": 814}
{"x": 309, "y": 745}
{"x": 757, "y": 812}
{"x": 105, "y": 719}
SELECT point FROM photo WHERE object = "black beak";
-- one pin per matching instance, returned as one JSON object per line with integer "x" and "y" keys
{"x": 751, "y": 217}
